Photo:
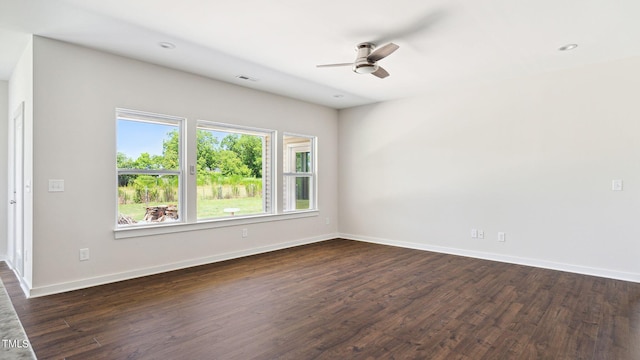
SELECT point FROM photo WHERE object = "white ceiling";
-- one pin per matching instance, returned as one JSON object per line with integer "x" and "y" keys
{"x": 443, "y": 43}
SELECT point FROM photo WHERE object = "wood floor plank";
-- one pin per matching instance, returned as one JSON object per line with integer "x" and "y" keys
{"x": 339, "y": 299}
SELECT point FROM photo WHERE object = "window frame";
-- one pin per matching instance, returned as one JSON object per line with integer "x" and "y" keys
{"x": 289, "y": 202}
{"x": 269, "y": 166}
{"x": 154, "y": 118}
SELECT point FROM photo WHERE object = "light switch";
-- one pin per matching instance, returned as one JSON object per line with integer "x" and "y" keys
{"x": 56, "y": 185}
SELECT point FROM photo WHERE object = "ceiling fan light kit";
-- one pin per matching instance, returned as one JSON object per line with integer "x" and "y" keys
{"x": 365, "y": 68}
{"x": 367, "y": 59}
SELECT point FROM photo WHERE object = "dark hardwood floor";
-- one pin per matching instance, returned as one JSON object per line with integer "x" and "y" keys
{"x": 340, "y": 299}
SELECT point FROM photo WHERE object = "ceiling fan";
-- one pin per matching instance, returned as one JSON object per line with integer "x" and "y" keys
{"x": 367, "y": 59}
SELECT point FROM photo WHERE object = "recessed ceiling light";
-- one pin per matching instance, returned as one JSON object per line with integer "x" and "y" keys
{"x": 167, "y": 45}
{"x": 568, "y": 47}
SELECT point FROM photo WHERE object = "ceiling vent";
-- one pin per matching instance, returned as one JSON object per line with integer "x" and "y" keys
{"x": 245, "y": 77}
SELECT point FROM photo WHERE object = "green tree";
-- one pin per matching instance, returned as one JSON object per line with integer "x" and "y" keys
{"x": 124, "y": 162}
{"x": 230, "y": 164}
{"x": 170, "y": 151}
{"x": 249, "y": 150}
{"x": 239, "y": 155}
{"x": 206, "y": 146}
{"x": 229, "y": 141}
{"x": 145, "y": 187}
{"x": 148, "y": 162}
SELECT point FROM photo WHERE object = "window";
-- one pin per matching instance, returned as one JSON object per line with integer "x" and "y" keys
{"x": 228, "y": 170}
{"x": 233, "y": 170}
{"x": 149, "y": 168}
{"x": 299, "y": 172}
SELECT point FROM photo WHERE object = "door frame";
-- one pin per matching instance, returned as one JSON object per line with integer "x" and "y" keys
{"x": 15, "y": 234}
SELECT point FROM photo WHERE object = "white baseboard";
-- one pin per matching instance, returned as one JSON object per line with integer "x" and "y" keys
{"x": 24, "y": 285}
{"x": 611, "y": 274}
{"x": 101, "y": 280}
{"x": 127, "y": 275}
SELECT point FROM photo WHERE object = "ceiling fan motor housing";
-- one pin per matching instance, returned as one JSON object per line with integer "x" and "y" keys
{"x": 362, "y": 65}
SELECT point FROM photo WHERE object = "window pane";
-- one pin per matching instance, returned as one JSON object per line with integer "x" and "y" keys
{"x": 232, "y": 169}
{"x": 303, "y": 188}
{"x": 148, "y": 145}
{"x": 303, "y": 161}
{"x": 147, "y": 199}
{"x": 297, "y": 154}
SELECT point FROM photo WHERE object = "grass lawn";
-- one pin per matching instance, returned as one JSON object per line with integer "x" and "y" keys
{"x": 206, "y": 208}
{"x": 215, "y": 208}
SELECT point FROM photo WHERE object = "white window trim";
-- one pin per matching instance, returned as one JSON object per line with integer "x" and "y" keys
{"x": 175, "y": 227}
{"x": 268, "y": 190}
{"x": 313, "y": 203}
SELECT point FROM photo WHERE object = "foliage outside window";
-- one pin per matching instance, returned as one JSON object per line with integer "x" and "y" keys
{"x": 233, "y": 170}
{"x": 299, "y": 190}
{"x": 149, "y": 168}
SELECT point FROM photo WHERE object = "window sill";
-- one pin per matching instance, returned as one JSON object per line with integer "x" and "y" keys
{"x": 160, "y": 229}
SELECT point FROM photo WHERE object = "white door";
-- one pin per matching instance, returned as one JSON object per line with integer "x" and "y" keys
{"x": 17, "y": 186}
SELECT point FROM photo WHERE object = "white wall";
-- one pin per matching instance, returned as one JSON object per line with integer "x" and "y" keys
{"x": 4, "y": 145}
{"x": 76, "y": 91}
{"x": 532, "y": 157}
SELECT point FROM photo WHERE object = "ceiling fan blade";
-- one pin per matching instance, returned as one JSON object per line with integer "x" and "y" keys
{"x": 381, "y": 73}
{"x": 382, "y": 52}
{"x": 421, "y": 24}
{"x": 335, "y": 65}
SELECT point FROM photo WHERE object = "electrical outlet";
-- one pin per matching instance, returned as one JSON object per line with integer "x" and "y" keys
{"x": 84, "y": 254}
{"x": 616, "y": 185}
{"x": 480, "y": 234}
{"x": 474, "y": 233}
{"x": 327, "y": 221}
{"x": 502, "y": 237}
{"x": 245, "y": 232}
